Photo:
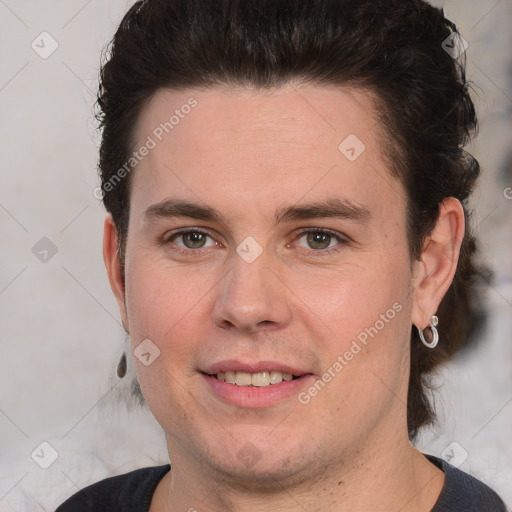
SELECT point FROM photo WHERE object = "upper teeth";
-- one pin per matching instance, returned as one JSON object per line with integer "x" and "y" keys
{"x": 259, "y": 379}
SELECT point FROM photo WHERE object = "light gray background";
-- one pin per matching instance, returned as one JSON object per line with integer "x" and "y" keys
{"x": 61, "y": 334}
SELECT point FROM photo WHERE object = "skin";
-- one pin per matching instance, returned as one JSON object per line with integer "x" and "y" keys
{"x": 249, "y": 154}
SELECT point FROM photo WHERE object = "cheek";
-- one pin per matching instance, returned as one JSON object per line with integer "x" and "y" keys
{"x": 359, "y": 318}
{"x": 354, "y": 296}
{"x": 172, "y": 308}
{"x": 163, "y": 307}
{"x": 162, "y": 299}
{"x": 364, "y": 362}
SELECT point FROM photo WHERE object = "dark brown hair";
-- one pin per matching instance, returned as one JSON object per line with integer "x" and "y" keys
{"x": 393, "y": 48}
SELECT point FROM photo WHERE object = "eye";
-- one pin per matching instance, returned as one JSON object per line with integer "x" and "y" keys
{"x": 191, "y": 239}
{"x": 319, "y": 239}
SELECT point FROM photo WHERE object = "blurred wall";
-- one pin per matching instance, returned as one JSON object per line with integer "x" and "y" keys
{"x": 61, "y": 333}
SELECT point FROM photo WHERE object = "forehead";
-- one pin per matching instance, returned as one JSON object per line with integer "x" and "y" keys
{"x": 232, "y": 146}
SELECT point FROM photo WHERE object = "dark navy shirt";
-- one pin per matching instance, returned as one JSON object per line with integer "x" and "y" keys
{"x": 133, "y": 492}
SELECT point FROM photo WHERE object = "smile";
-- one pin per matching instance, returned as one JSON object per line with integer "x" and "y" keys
{"x": 259, "y": 379}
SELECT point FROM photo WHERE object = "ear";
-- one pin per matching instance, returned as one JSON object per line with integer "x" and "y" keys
{"x": 438, "y": 262}
{"x": 113, "y": 266}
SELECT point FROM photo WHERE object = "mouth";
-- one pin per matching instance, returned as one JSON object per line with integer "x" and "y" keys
{"x": 258, "y": 379}
{"x": 255, "y": 385}
{"x": 258, "y": 375}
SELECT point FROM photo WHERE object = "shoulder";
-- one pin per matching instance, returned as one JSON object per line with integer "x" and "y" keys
{"x": 131, "y": 492}
{"x": 463, "y": 492}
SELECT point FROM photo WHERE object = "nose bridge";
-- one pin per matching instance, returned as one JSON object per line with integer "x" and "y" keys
{"x": 251, "y": 297}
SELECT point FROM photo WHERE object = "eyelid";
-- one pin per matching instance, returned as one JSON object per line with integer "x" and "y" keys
{"x": 316, "y": 229}
{"x": 183, "y": 231}
{"x": 343, "y": 240}
{"x": 169, "y": 236}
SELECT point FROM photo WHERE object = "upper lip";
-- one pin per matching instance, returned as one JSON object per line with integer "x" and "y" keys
{"x": 256, "y": 367}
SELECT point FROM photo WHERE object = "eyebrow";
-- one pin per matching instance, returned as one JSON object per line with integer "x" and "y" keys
{"x": 178, "y": 208}
{"x": 332, "y": 208}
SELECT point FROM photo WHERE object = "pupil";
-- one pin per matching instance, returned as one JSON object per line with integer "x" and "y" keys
{"x": 194, "y": 240}
{"x": 319, "y": 240}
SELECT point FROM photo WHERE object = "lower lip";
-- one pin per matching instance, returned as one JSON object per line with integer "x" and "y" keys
{"x": 257, "y": 397}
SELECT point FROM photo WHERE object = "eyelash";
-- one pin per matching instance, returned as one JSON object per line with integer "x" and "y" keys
{"x": 342, "y": 241}
{"x": 187, "y": 252}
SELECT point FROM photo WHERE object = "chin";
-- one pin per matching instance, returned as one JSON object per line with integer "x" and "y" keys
{"x": 256, "y": 456}
{"x": 263, "y": 474}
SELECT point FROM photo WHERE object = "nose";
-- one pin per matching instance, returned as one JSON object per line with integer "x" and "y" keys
{"x": 251, "y": 298}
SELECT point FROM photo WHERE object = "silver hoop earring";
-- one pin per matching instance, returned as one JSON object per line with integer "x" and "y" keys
{"x": 435, "y": 335}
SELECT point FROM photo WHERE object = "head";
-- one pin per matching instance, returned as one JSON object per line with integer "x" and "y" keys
{"x": 261, "y": 121}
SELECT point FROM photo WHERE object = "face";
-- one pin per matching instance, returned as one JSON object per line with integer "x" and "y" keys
{"x": 265, "y": 241}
